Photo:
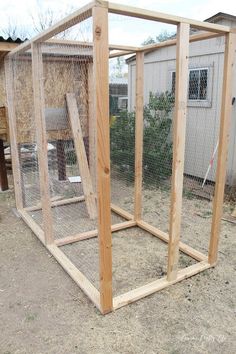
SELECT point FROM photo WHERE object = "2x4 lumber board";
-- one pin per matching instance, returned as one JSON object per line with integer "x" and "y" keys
{"x": 165, "y": 237}
{"x": 139, "y": 136}
{"x": 179, "y": 130}
{"x": 120, "y": 53}
{"x": 78, "y": 16}
{"x": 61, "y": 258}
{"x": 170, "y": 42}
{"x": 41, "y": 138}
{"x": 16, "y": 167}
{"x": 78, "y": 277}
{"x": 93, "y": 233}
{"x": 123, "y": 213}
{"x": 7, "y": 47}
{"x": 226, "y": 110}
{"x": 86, "y": 180}
{"x": 56, "y": 203}
{"x": 37, "y": 230}
{"x": 92, "y": 129}
{"x": 158, "y": 285}
{"x": 165, "y": 18}
{"x": 101, "y": 82}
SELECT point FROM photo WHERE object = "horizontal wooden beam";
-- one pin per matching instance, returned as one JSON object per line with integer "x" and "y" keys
{"x": 157, "y": 285}
{"x": 165, "y": 18}
{"x": 78, "y": 277}
{"x": 7, "y": 47}
{"x": 78, "y": 16}
{"x": 93, "y": 233}
{"x": 170, "y": 42}
{"x": 120, "y": 53}
{"x": 165, "y": 237}
{"x": 121, "y": 212}
{"x": 57, "y": 203}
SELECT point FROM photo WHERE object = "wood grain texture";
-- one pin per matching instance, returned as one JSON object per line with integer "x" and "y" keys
{"x": 101, "y": 82}
{"x": 41, "y": 137}
{"x": 16, "y": 167}
{"x": 226, "y": 110}
{"x": 179, "y": 129}
{"x": 86, "y": 181}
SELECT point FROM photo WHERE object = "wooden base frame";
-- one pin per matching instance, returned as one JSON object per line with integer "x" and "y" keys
{"x": 81, "y": 280}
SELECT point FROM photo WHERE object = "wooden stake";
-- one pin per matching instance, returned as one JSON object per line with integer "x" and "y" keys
{"x": 61, "y": 160}
{"x": 226, "y": 109}
{"x": 138, "y": 136}
{"x": 41, "y": 137}
{"x": 101, "y": 82}
{"x": 179, "y": 128}
{"x": 16, "y": 167}
{"x": 81, "y": 155}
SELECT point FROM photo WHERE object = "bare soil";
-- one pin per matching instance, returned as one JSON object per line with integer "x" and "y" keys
{"x": 43, "y": 311}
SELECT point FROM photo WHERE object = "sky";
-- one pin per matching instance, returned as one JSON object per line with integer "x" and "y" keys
{"x": 122, "y": 30}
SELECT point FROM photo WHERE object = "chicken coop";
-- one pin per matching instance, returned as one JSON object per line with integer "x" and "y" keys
{"x": 106, "y": 197}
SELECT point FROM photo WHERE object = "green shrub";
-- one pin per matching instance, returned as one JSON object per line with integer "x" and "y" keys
{"x": 157, "y": 147}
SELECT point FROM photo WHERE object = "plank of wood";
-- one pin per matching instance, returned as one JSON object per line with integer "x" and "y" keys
{"x": 16, "y": 167}
{"x": 93, "y": 233}
{"x": 123, "y": 213}
{"x": 158, "y": 285}
{"x": 101, "y": 85}
{"x": 3, "y": 169}
{"x": 138, "y": 182}
{"x": 78, "y": 16}
{"x": 78, "y": 277}
{"x": 226, "y": 110}
{"x": 165, "y": 18}
{"x": 120, "y": 53}
{"x": 61, "y": 160}
{"x": 179, "y": 130}
{"x": 194, "y": 38}
{"x": 165, "y": 237}
{"x": 89, "y": 194}
{"x": 57, "y": 203}
{"x": 41, "y": 137}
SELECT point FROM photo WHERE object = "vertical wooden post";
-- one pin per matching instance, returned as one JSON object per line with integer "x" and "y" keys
{"x": 139, "y": 136}
{"x": 92, "y": 128}
{"x": 101, "y": 77}
{"x": 41, "y": 138}
{"x": 3, "y": 169}
{"x": 179, "y": 128}
{"x": 16, "y": 166}
{"x": 226, "y": 109}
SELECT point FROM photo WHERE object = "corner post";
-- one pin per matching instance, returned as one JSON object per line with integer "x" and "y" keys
{"x": 101, "y": 111}
{"x": 139, "y": 136}
{"x": 226, "y": 109}
{"x": 179, "y": 129}
{"x": 16, "y": 166}
{"x": 41, "y": 138}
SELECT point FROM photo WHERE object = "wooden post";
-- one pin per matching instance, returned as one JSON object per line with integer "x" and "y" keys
{"x": 3, "y": 169}
{"x": 82, "y": 161}
{"x": 16, "y": 166}
{"x": 92, "y": 128}
{"x": 226, "y": 108}
{"x": 139, "y": 136}
{"x": 41, "y": 138}
{"x": 61, "y": 160}
{"x": 179, "y": 128}
{"x": 101, "y": 77}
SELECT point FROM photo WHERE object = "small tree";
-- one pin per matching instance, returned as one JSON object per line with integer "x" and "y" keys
{"x": 157, "y": 148}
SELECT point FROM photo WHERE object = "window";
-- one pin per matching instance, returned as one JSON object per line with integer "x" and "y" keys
{"x": 198, "y": 82}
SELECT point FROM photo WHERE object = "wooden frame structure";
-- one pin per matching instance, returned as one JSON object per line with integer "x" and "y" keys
{"x": 99, "y": 129}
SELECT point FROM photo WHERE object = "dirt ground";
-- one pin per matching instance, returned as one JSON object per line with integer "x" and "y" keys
{"x": 43, "y": 311}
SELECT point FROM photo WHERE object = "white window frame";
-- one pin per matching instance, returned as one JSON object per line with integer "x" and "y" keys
{"x": 200, "y": 102}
